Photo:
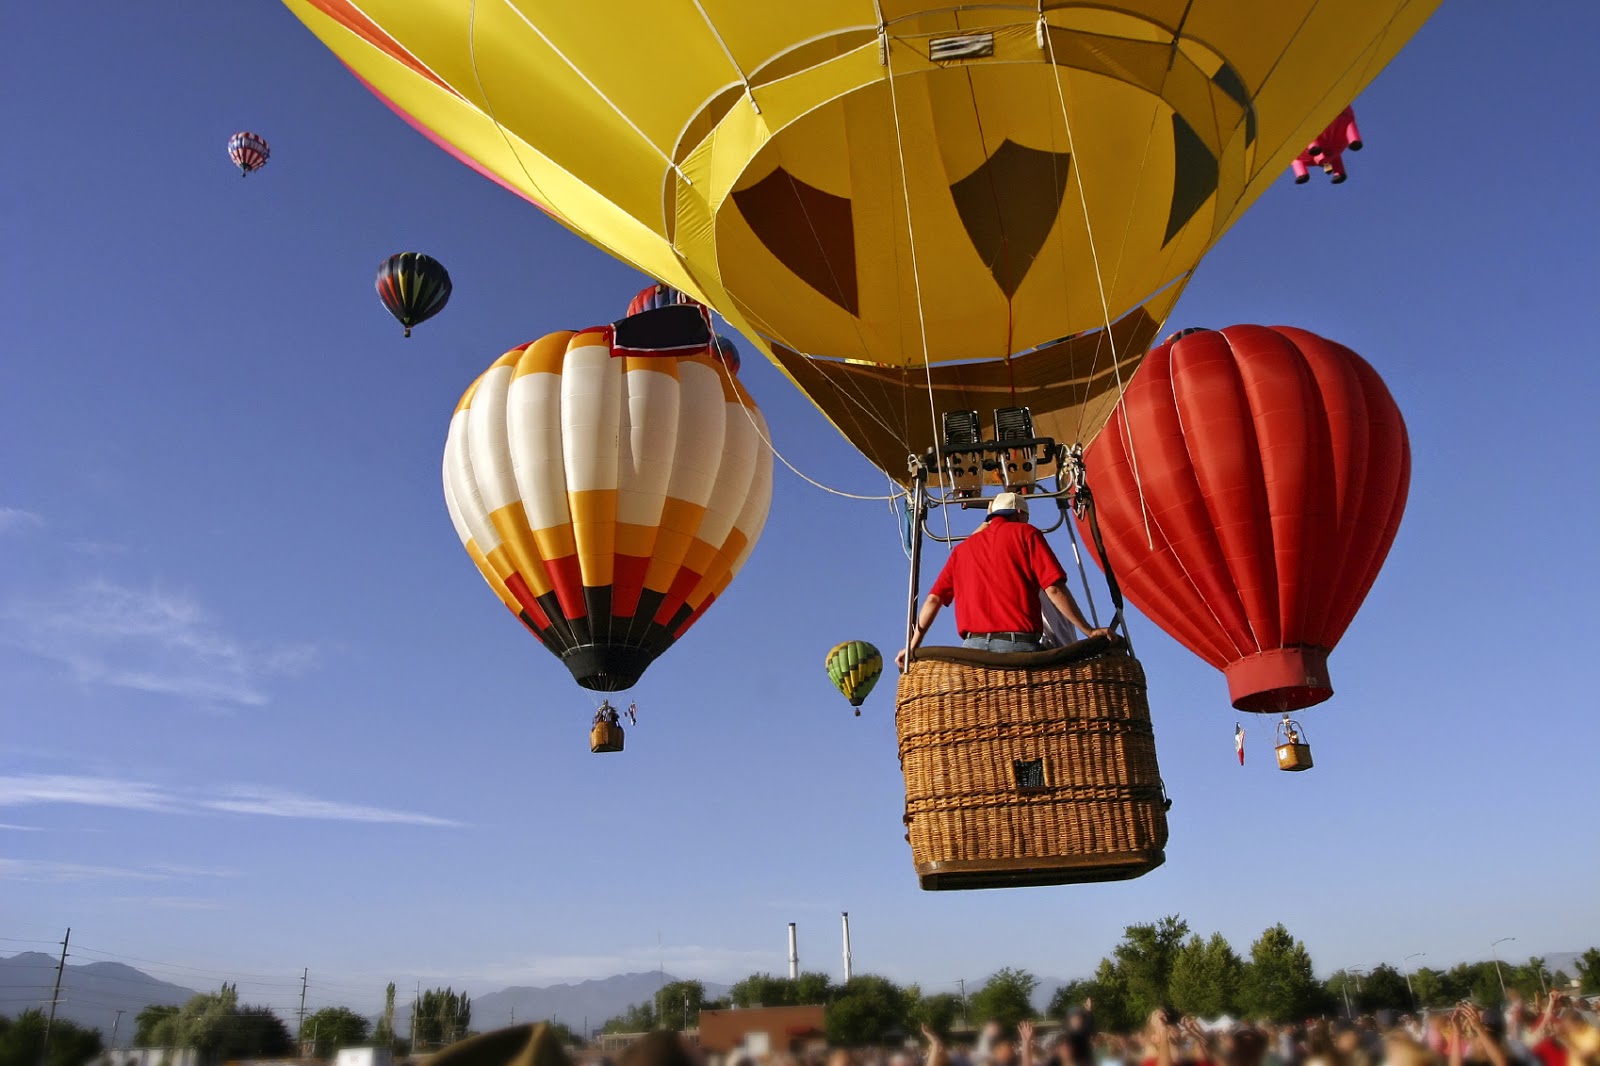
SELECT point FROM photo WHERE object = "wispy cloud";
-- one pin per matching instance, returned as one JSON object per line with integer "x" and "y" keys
{"x": 174, "y": 903}
{"x": 278, "y": 804}
{"x": 15, "y": 520}
{"x": 148, "y": 640}
{"x": 19, "y": 790}
{"x": 47, "y": 870}
{"x": 22, "y": 828}
{"x": 24, "y": 789}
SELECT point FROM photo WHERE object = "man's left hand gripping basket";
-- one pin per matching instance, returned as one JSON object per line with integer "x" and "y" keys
{"x": 1029, "y": 769}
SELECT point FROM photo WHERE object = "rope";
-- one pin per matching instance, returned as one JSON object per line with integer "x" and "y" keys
{"x": 1094, "y": 255}
{"x": 595, "y": 88}
{"x": 796, "y": 471}
{"x": 1083, "y": 573}
{"x": 916, "y": 276}
{"x": 544, "y": 202}
{"x": 749, "y": 93}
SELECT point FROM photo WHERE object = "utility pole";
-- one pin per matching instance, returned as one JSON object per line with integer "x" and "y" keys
{"x": 55, "y": 997}
{"x": 300, "y": 1029}
{"x": 114, "y": 1027}
{"x": 963, "y": 982}
{"x": 1409, "y": 991}
{"x": 1496, "y": 954}
{"x": 416, "y": 1009}
{"x": 845, "y": 918}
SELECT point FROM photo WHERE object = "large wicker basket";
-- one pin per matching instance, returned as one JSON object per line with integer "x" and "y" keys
{"x": 1031, "y": 769}
{"x": 605, "y": 737}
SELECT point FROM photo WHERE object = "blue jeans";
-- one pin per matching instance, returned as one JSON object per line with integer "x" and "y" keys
{"x": 997, "y": 644}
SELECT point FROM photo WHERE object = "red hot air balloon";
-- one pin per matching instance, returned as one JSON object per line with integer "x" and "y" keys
{"x": 249, "y": 151}
{"x": 1274, "y": 466}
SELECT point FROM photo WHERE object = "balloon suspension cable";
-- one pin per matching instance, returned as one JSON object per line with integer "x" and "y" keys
{"x": 749, "y": 92}
{"x": 919, "y": 496}
{"x": 1094, "y": 256}
{"x": 634, "y": 126}
{"x": 1083, "y": 506}
{"x": 796, "y": 471}
{"x": 543, "y": 202}
{"x": 1083, "y": 573}
{"x": 916, "y": 276}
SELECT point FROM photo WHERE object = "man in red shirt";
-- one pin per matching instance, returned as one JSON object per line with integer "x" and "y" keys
{"x": 995, "y": 577}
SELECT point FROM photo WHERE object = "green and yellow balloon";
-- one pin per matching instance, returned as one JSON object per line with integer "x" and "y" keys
{"x": 854, "y": 667}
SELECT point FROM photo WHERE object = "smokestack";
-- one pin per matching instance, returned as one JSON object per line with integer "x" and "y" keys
{"x": 794, "y": 955}
{"x": 845, "y": 916}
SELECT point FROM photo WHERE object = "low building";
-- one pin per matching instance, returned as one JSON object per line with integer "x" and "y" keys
{"x": 762, "y": 1030}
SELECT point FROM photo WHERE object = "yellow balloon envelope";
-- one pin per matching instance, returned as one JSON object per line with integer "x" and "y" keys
{"x": 608, "y": 500}
{"x": 893, "y": 183}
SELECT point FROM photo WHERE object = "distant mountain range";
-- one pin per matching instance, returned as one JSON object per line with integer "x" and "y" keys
{"x": 91, "y": 994}
{"x": 594, "y": 1001}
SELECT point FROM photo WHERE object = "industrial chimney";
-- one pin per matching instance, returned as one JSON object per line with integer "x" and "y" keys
{"x": 794, "y": 956}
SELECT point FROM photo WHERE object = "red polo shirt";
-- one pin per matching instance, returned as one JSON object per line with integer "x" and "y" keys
{"x": 995, "y": 577}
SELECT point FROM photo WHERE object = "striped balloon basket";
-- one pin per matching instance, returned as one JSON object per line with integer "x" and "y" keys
{"x": 1029, "y": 769}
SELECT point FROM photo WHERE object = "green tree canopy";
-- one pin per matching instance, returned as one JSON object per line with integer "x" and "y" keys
{"x": 680, "y": 1003}
{"x": 639, "y": 1018}
{"x": 1072, "y": 994}
{"x": 22, "y": 1041}
{"x": 866, "y": 1010}
{"x": 1206, "y": 978}
{"x": 1007, "y": 998}
{"x": 383, "y": 1036}
{"x": 1145, "y": 958}
{"x": 765, "y": 990}
{"x": 1589, "y": 970}
{"x": 1279, "y": 984}
{"x": 332, "y": 1028}
{"x": 1384, "y": 988}
{"x": 255, "y": 1033}
{"x": 938, "y": 1012}
{"x": 1530, "y": 979}
{"x": 155, "y": 1026}
{"x": 1113, "y": 1009}
{"x": 1429, "y": 985}
{"x": 442, "y": 1016}
{"x": 565, "y": 1034}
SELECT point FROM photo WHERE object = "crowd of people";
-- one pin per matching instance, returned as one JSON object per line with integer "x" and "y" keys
{"x": 1557, "y": 1031}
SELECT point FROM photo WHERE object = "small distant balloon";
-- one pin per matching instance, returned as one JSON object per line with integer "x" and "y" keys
{"x": 414, "y": 287}
{"x": 249, "y": 151}
{"x": 854, "y": 667}
{"x": 658, "y": 295}
{"x": 723, "y": 350}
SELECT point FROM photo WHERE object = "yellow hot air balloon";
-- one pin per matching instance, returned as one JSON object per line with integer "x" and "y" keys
{"x": 607, "y": 499}
{"x": 872, "y": 190}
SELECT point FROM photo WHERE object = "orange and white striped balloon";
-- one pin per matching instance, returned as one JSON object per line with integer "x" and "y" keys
{"x": 608, "y": 500}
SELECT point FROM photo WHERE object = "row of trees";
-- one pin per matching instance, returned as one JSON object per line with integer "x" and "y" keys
{"x": 1156, "y": 964}
{"x": 221, "y": 1028}
{"x": 22, "y": 1041}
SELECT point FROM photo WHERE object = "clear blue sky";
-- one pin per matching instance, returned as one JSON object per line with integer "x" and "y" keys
{"x": 257, "y": 711}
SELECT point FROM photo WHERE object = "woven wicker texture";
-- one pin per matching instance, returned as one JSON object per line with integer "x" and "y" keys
{"x": 605, "y": 737}
{"x": 1035, "y": 777}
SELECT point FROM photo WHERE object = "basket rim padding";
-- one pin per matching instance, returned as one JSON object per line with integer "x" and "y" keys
{"x": 1077, "y": 652}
